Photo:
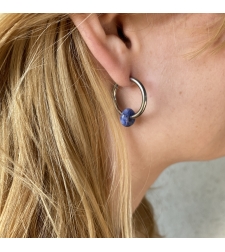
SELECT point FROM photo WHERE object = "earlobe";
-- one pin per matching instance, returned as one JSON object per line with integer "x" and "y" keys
{"x": 106, "y": 45}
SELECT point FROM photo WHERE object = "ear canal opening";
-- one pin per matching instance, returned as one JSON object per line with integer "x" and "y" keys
{"x": 123, "y": 37}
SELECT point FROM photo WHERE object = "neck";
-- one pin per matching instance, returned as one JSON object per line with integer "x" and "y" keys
{"x": 144, "y": 174}
{"x": 146, "y": 165}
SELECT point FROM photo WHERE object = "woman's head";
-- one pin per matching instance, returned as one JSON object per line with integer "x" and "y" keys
{"x": 176, "y": 58}
{"x": 68, "y": 168}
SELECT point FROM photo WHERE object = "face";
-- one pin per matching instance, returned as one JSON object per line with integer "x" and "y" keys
{"x": 185, "y": 115}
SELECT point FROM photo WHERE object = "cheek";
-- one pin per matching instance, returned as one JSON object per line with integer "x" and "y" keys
{"x": 191, "y": 96}
{"x": 186, "y": 105}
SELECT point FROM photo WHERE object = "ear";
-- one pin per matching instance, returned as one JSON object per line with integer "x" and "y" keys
{"x": 108, "y": 46}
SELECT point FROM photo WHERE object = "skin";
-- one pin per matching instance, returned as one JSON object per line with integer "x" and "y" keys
{"x": 185, "y": 117}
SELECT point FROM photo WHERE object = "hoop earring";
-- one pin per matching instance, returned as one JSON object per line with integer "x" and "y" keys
{"x": 128, "y": 116}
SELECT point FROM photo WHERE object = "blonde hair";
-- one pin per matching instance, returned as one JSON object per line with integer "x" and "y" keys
{"x": 214, "y": 42}
{"x": 63, "y": 162}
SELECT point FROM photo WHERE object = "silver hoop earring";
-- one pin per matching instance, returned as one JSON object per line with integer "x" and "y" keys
{"x": 128, "y": 116}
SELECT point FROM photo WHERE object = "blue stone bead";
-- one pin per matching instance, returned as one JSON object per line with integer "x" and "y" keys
{"x": 125, "y": 117}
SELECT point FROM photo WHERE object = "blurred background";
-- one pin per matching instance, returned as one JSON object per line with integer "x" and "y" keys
{"x": 189, "y": 199}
